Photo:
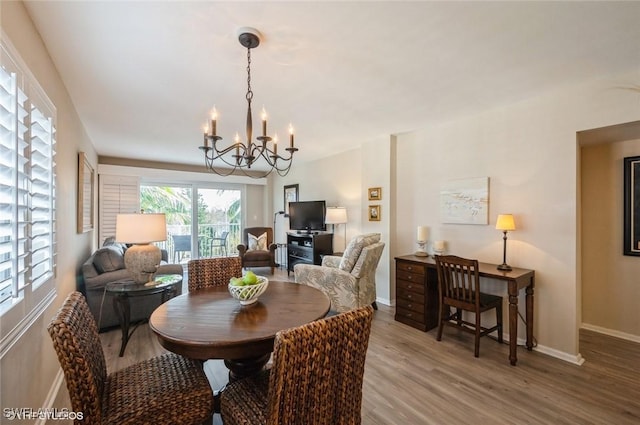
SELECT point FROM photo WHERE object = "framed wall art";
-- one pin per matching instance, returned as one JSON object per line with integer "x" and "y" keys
{"x": 632, "y": 206}
{"x": 86, "y": 176}
{"x": 290, "y": 195}
{"x": 375, "y": 193}
{"x": 374, "y": 212}
{"x": 465, "y": 201}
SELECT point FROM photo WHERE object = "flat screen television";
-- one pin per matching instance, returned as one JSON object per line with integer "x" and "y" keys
{"x": 307, "y": 215}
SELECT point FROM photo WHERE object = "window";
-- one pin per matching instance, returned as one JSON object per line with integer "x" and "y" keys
{"x": 27, "y": 180}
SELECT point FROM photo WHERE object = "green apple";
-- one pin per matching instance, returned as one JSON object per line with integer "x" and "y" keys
{"x": 250, "y": 278}
{"x": 236, "y": 281}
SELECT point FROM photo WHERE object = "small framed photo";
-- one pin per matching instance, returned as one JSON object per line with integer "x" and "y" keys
{"x": 374, "y": 212}
{"x": 375, "y": 193}
{"x": 290, "y": 195}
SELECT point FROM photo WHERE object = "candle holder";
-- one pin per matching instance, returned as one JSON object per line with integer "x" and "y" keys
{"x": 422, "y": 249}
{"x": 438, "y": 248}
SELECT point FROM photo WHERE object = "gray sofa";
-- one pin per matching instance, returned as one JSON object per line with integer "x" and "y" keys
{"x": 107, "y": 265}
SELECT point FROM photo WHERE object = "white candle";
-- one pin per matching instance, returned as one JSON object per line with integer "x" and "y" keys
{"x": 438, "y": 245}
{"x": 423, "y": 233}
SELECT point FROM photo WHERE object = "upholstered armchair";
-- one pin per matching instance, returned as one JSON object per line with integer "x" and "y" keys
{"x": 349, "y": 281}
{"x": 257, "y": 248}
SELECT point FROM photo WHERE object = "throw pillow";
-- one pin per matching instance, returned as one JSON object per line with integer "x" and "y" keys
{"x": 108, "y": 259}
{"x": 258, "y": 243}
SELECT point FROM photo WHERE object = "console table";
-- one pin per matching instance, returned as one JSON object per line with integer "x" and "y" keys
{"x": 417, "y": 298}
{"x": 307, "y": 248}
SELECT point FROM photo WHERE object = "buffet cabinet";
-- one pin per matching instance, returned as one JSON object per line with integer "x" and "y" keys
{"x": 416, "y": 292}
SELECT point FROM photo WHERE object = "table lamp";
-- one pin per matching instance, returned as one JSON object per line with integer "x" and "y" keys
{"x": 337, "y": 215}
{"x": 422, "y": 237}
{"x": 142, "y": 258}
{"x": 505, "y": 223}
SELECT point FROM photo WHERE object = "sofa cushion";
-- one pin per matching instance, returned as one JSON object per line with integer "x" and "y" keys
{"x": 257, "y": 243}
{"x": 108, "y": 259}
{"x": 353, "y": 250}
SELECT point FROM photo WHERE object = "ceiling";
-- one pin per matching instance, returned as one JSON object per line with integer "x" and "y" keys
{"x": 144, "y": 76}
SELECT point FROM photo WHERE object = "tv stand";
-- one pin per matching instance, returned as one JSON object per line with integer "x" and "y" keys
{"x": 303, "y": 248}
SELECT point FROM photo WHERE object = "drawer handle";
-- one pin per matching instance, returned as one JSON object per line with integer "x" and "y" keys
{"x": 409, "y": 305}
{"x": 409, "y": 277}
{"x": 409, "y": 314}
{"x": 409, "y": 286}
{"x": 409, "y": 296}
{"x": 409, "y": 268}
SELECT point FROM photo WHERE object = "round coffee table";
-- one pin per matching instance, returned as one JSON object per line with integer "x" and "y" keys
{"x": 123, "y": 290}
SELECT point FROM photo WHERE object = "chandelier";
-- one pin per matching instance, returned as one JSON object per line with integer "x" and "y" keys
{"x": 243, "y": 155}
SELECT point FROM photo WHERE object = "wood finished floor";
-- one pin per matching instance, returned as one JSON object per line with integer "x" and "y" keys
{"x": 410, "y": 378}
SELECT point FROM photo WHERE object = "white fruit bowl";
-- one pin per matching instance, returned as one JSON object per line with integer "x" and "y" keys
{"x": 249, "y": 294}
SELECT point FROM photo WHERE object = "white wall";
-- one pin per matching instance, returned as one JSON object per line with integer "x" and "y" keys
{"x": 529, "y": 151}
{"x": 29, "y": 367}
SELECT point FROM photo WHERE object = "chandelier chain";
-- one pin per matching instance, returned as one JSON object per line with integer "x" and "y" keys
{"x": 249, "y": 91}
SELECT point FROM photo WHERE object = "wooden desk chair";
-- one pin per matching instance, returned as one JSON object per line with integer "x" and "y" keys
{"x": 316, "y": 378}
{"x": 207, "y": 272}
{"x": 459, "y": 287}
{"x": 167, "y": 389}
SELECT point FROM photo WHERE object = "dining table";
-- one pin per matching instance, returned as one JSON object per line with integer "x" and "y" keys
{"x": 211, "y": 324}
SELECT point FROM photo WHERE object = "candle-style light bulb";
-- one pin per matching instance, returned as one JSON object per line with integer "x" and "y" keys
{"x": 264, "y": 122}
{"x": 275, "y": 144}
{"x": 206, "y": 140}
{"x": 291, "y": 135}
{"x": 214, "y": 118}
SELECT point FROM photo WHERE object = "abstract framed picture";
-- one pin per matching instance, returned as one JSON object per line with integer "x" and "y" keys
{"x": 465, "y": 201}
{"x": 290, "y": 195}
{"x": 631, "y": 206}
{"x": 374, "y": 212}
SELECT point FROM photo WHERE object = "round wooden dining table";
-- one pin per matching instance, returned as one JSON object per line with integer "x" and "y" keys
{"x": 210, "y": 324}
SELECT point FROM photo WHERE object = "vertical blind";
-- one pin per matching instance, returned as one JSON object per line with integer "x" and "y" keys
{"x": 27, "y": 180}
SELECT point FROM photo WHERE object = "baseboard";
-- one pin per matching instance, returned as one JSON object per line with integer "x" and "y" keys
{"x": 52, "y": 395}
{"x": 575, "y": 359}
{"x": 611, "y": 332}
{"x": 384, "y": 301}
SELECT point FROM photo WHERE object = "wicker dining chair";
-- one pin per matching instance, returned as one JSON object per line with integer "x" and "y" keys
{"x": 459, "y": 289}
{"x": 316, "y": 377}
{"x": 207, "y": 272}
{"x": 168, "y": 389}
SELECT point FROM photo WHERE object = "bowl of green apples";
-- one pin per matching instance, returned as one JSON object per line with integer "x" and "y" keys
{"x": 248, "y": 288}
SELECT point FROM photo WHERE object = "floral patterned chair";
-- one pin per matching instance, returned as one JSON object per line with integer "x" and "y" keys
{"x": 349, "y": 281}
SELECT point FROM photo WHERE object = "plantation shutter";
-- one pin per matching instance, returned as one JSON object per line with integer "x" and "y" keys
{"x": 42, "y": 193}
{"x": 13, "y": 183}
{"x": 118, "y": 194}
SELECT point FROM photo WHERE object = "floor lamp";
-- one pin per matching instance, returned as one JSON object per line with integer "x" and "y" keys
{"x": 337, "y": 215}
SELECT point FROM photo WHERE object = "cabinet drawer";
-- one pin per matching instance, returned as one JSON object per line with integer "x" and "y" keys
{"x": 409, "y": 296}
{"x": 408, "y": 304}
{"x": 416, "y": 287}
{"x": 411, "y": 315}
{"x": 411, "y": 277}
{"x": 410, "y": 267}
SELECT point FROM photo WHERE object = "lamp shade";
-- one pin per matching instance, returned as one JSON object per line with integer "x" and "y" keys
{"x": 505, "y": 222}
{"x": 336, "y": 215}
{"x": 141, "y": 228}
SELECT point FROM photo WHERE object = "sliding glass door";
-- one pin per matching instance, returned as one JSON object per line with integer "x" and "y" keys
{"x": 201, "y": 222}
